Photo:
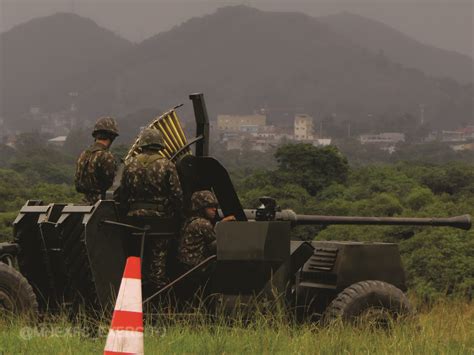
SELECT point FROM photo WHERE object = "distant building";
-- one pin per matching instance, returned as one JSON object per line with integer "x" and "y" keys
{"x": 262, "y": 145}
{"x": 57, "y": 123}
{"x": 233, "y": 143}
{"x": 385, "y": 141}
{"x": 459, "y": 135}
{"x": 463, "y": 147}
{"x": 303, "y": 127}
{"x": 250, "y": 132}
{"x": 453, "y": 136}
{"x": 322, "y": 142}
{"x": 468, "y": 132}
{"x": 57, "y": 141}
{"x": 382, "y": 138}
{"x": 240, "y": 123}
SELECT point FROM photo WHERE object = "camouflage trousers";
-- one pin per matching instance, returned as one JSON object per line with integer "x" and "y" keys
{"x": 155, "y": 263}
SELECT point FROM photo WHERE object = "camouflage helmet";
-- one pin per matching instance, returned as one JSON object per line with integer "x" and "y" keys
{"x": 151, "y": 137}
{"x": 203, "y": 199}
{"x": 105, "y": 124}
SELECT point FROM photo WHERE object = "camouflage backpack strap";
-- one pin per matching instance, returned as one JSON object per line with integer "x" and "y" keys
{"x": 93, "y": 149}
{"x": 96, "y": 148}
{"x": 145, "y": 160}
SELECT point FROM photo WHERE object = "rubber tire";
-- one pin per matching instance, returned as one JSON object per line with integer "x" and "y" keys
{"x": 357, "y": 300}
{"x": 16, "y": 294}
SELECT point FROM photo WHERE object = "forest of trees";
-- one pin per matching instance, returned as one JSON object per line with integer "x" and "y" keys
{"x": 312, "y": 180}
{"x": 439, "y": 261}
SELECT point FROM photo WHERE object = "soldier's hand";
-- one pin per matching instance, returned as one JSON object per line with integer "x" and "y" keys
{"x": 228, "y": 218}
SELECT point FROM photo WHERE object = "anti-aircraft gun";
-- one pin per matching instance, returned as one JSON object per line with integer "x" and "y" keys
{"x": 74, "y": 254}
{"x": 335, "y": 278}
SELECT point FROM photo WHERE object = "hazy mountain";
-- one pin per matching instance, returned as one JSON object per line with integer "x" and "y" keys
{"x": 44, "y": 54}
{"x": 402, "y": 49}
{"x": 244, "y": 59}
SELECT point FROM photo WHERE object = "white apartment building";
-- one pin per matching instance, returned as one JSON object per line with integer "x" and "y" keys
{"x": 303, "y": 127}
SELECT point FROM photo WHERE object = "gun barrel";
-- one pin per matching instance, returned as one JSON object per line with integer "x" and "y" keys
{"x": 462, "y": 222}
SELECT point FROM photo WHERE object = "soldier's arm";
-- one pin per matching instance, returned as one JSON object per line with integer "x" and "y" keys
{"x": 77, "y": 175}
{"x": 176, "y": 192}
{"x": 196, "y": 242}
{"x": 209, "y": 235}
{"x": 106, "y": 169}
{"x": 190, "y": 248}
{"x": 124, "y": 192}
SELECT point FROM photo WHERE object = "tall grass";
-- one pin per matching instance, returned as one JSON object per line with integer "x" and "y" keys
{"x": 445, "y": 328}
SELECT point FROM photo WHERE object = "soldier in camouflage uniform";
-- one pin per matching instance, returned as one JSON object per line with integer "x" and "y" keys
{"x": 150, "y": 187}
{"x": 198, "y": 238}
{"x": 96, "y": 166}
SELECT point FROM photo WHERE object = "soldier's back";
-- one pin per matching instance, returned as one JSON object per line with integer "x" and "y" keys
{"x": 151, "y": 187}
{"x": 95, "y": 172}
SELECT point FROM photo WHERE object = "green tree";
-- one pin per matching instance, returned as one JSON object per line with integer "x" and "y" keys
{"x": 440, "y": 262}
{"x": 311, "y": 167}
{"x": 419, "y": 198}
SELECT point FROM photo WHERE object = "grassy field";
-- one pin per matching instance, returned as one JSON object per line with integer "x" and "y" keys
{"x": 445, "y": 328}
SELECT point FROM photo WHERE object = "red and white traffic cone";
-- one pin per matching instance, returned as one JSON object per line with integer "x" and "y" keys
{"x": 126, "y": 332}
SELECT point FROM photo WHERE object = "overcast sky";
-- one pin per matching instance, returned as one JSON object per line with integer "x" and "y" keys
{"x": 444, "y": 23}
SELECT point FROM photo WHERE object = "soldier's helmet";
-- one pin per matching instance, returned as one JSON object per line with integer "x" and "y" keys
{"x": 151, "y": 138}
{"x": 105, "y": 125}
{"x": 203, "y": 199}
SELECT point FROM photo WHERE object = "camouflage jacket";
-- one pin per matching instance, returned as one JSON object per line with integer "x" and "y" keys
{"x": 150, "y": 187}
{"x": 95, "y": 172}
{"x": 197, "y": 237}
